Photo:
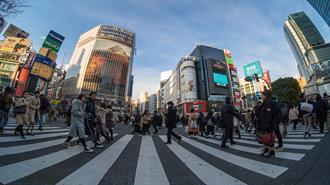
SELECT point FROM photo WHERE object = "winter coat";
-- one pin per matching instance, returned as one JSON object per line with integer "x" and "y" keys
{"x": 44, "y": 105}
{"x": 33, "y": 104}
{"x": 227, "y": 113}
{"x": 109, "y": 119}
{"x": 101, "y": 115}
{"x": 144, "y": 120}
{"x": 8, "y": 101}
{"x": 293, "y": 114}
{"x": 321, "y": 109}
{"x": 170, "y": 120}
{"x": 90, "y": 109}
{"x": 266, "y": 117}
{"x": 77, "y": 119}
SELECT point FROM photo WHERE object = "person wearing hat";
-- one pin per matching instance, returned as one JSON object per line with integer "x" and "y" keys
{"x": 170, "y": 122}
{"x": 6, "y": 101}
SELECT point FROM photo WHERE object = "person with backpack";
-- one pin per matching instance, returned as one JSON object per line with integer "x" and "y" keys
{"x": 284, "y": 117}
{"x": 210, "y": 125}
{"x": 321, "y": 109}
{"x": 6, "y": 101}
{"x": 192, "y": 123}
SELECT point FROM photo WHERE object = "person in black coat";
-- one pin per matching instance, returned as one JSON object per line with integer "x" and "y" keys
{"x": 266, "y": 121}
{"x": 91, "y": 119}
{"x": 321, "y": 108}
{"x": 201, "y": 121}
{"x": 227, "y": 114}
{"x": 170, "y": 122}
{"x": 154, "y": 121}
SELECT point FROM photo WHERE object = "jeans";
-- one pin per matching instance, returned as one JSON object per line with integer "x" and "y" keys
{"x": 41, "y": 121}
{"x": 3, "y": 119}
{"x": 227, "y": 134}
{"x": 278, "y": 135}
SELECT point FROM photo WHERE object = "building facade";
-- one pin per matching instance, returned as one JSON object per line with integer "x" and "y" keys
{"x": 102, "y": 62}
{"x": 311, "y": 52}
{"x": 323, "y": 8}
{"x": 202, "y": 81}
{"x": 152, "y": 103}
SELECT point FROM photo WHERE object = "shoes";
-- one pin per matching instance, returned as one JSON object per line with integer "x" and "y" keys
{"x": 167, "y": 143}
{"x": 179, "y": 140}
{"x": 225, "y": 146}
{"x": 23, "y": 137}
{"x": 66, "y": 145}
{"x": 99, "y": 146}
{"x": 233, "y": 143}
{"x": 1, "y": 131}
{"x": 279, "y": 148}
{"x": 270, "y": 154}
{"x": 88, "y": 150}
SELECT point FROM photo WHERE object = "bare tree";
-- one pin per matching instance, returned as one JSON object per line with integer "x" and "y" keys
{"x": 11, "y": 7}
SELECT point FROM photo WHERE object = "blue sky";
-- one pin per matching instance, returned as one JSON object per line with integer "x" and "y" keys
{"x": 169, "y": 30}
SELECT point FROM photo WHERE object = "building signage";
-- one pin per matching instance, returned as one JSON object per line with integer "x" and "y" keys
{"x": 43, "y": 67}
{"x": 253, "y": 68}
{"x": 16, "y": 45}
{"x": 14, "y": 31}
{"x": 53, "y": 41}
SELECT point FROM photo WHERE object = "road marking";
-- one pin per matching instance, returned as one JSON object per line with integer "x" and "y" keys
{"x": 282, "y": 155}
{"x": 266, "y": 169}
{"x": 149, "y": 169}
{"x": 302, "y": 140}
{"x": 30, "y": 147}
{"x": 93, "y": 171}
{"x": 288, "y": 135}
{"x": 40, "y": 136}
{"x": 203, "y": 170}
{"x": 39, "y": 131}
{"x": 291, "y": 146}
{"x": 12, "y": 127}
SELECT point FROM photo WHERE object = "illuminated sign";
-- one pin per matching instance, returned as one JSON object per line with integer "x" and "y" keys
{"x": 43, "y": 67}
{"x": 253, "y": 68}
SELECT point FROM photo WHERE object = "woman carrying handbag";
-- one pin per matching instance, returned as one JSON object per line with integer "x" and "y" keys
{"x": 265, "y": 124}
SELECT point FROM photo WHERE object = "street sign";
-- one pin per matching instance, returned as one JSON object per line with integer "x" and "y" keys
{"x": 53, "y": 41}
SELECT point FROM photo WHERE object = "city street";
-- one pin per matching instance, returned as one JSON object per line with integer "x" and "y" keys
{"x": 41, "y": 159}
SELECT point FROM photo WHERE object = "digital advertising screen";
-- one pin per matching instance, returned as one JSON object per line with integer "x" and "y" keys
{"x": 218, "y": 80}
{"x": 43, "y": 68}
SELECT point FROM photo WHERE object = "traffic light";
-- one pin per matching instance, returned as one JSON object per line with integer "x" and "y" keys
{"x": 256, "y": 77}
{"x": 248, "y": 79}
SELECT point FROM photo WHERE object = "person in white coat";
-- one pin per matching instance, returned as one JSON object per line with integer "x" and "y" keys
{"x": 294, "y": 116}
{"x": 77, "y": 123}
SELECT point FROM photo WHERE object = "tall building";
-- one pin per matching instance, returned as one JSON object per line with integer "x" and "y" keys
{"x": 323, "y": 8}
{"x": 302, "y": 34}
{"x": 152, "y": 100}
{"x": 311, "y": 52}
{"x": 102, "y": 62}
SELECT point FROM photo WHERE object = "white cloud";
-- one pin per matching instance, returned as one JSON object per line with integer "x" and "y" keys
{"x": 145, "y": 79}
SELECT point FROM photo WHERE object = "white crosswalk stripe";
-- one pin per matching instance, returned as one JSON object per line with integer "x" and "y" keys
{"x": 39, "y": 131}
{"x": 97, "y": 166}
{"x": 12, "y": 127}
{"x": 283, "y": 155}
{"x": 150, "y": 168}
{"x": 203, "y": 170}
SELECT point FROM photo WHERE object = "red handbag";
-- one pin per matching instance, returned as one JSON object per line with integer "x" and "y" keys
{"x": 267, "y": 139}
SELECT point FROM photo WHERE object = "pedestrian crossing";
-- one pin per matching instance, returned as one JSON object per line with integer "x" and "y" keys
{"x": 203, "y": 157}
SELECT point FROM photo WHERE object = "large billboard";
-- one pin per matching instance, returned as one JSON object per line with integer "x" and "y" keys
{"x": 217, "y": 74}
{"x": 14, "y": 31}
{"x": 253, "y": 68}
{"x": 321, "y": 71}
{"x": 16, "y": 45}
{"x": 43, "y": 68}
{"x": 22, "y": 82}
{"x": 188, "y": 81}
{"x": 53, "y": 41}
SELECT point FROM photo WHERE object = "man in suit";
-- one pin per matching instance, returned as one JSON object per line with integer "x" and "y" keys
{"x": 170, "y": 122}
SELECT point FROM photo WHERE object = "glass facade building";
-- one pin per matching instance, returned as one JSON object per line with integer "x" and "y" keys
{"x": 302, "y": 34}
{"x": 102, "y": 62}
{"x": 323, "y": 8}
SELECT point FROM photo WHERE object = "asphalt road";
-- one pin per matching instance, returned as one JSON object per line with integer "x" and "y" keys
{"x": 146, "y": 160}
